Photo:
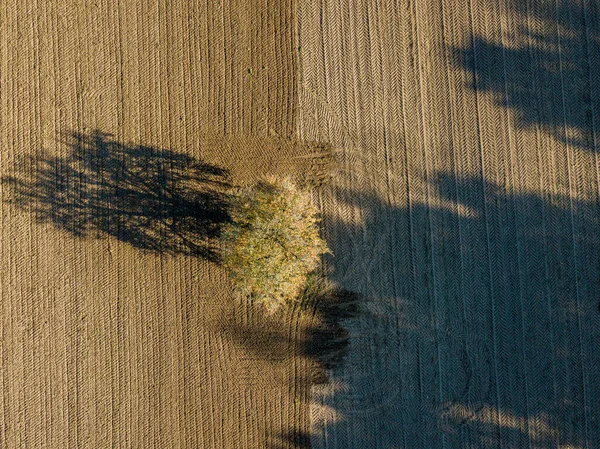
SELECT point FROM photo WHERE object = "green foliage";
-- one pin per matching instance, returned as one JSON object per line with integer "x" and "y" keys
{"x": 272, "y": 243}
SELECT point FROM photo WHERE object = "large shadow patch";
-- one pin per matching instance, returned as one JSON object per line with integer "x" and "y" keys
{"x": 544, "y": 72}
{"x": 152, "y": 198}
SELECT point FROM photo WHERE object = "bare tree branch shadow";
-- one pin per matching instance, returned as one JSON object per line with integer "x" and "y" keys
{"x": 545, "y": 74}
{"x": 153, "y": 199}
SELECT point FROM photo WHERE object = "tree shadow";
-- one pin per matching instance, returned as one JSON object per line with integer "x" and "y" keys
{"x": 291, "y": 439}
{"x": 545, "y": 72}
{"x": 323, "y": 342}
{"x": 319, "y": 338}
{"x": 153, "y": 199}
{"x": 311, "y": 333}
{"x": 487, "y": 329}
{"x": 328, "y": 339}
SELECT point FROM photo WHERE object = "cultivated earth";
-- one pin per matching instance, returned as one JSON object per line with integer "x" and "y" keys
{"x": 462, "y": 208}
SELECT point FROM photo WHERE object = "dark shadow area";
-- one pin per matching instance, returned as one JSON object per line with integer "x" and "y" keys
{"x": 546, "y": 71}
{"x": 324, "y": 342}
{"x": 154, "y": 199}
{"x": 292, "y": 439}
{"x": 487, "y": 333}
{"x": 327, "y": 340}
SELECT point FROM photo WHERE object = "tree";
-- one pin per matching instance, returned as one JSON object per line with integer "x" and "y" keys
{"x": 272, "y": 243}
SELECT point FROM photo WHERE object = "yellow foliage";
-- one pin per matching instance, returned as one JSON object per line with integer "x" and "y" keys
{"x": 272, "y": 242}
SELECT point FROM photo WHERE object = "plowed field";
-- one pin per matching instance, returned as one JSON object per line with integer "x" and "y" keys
{"x": 464, "y": 210}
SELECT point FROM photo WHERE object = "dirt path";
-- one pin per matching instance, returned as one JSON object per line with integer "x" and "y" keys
{"x": 466, "y": 214}
{"x": 117, "y": 329}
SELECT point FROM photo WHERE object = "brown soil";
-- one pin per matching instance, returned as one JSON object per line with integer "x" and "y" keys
{"x": 121, "y": 123}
